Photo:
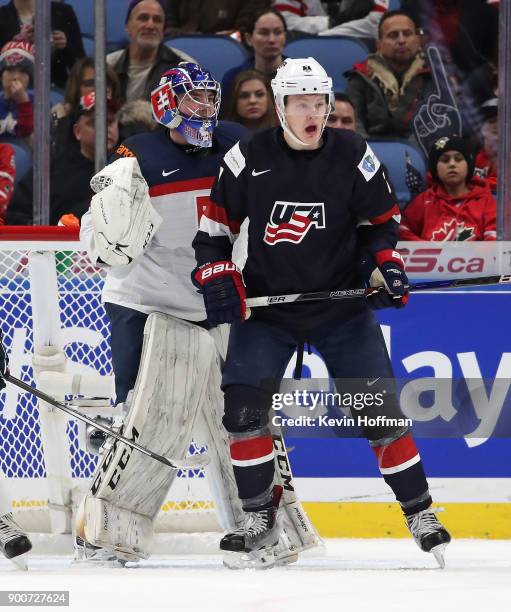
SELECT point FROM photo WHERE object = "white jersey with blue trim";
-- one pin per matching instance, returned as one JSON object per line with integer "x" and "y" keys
{"x": 180, "y": 182}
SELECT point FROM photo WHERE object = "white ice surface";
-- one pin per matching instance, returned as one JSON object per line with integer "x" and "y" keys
{"x": 352, "y": 575}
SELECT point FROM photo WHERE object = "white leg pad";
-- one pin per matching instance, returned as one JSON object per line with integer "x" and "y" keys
{"x": 170, "y": 389}
{"x": 219, "y": 472}
{"x": 298, "y": 532}
{"x": 109, "y": 526}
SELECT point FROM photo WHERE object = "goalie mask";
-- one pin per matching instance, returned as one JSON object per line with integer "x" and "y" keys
{"x": 188, "y": 100}
{"x": 301, "y": 77}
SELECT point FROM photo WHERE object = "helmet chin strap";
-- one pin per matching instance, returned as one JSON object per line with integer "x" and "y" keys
{"x": 293, "y": 136}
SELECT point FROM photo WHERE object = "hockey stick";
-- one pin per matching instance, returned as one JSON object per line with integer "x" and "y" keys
{"x": 192, "y": 463}
{"x": 345, "y": 294}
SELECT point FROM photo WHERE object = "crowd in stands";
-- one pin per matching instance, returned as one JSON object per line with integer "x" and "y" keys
{"x": 400, "y": 92}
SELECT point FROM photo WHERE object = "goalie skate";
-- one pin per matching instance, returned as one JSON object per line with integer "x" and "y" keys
{"x": 255, "y": 544}
{"x": 429, "y": 534}
{"x": 94, "y": 556}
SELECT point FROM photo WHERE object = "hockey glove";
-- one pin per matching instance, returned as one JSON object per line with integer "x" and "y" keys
{"x": 4, "y": 362}
{"x": 386, "y": 273}
{"x": 222, "y": 288}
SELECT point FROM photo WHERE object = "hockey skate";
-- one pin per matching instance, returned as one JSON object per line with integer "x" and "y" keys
{"x": 95, "y": 556}
{"x": 13, "y": 542}
{"x": 430, "y": 535}
{"x": 255, "y": 544}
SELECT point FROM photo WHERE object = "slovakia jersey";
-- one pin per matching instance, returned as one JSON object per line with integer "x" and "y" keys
{"x": 180, "y": 183}
{"x": 311, "y": 214}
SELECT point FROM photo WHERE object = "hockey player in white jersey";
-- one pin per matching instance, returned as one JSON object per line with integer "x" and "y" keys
{"x": 13, "y": 541}
{"x": 140, "y": 227}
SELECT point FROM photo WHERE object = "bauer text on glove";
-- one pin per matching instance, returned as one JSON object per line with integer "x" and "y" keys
{"x": 221, "y": 285}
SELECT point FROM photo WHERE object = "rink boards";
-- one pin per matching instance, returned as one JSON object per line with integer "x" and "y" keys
{"x": 470, "y": 477}
{"x": 462, "y": 333}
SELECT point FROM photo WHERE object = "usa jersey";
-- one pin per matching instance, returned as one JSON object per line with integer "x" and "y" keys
{"x": 180, "y": 183}
{"x": 311, "y": 214}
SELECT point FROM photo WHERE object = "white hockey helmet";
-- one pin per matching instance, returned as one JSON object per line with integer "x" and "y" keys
{"x": 297, "y": 77}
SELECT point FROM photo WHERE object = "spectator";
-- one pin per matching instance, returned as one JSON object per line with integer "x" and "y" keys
{"x": 483, "y": 82}
{"x": 343, "y": 114}
{"x": 79, "y": 84}
{"x": 251, "y": 101}
{"x": 211, "y": 16}
{"x": 467, "y": 28}
{"x": 266, "y": 35}
{"x": 70, "y": 172}
{"x": 357, "y": 18}
{"x": 387, "y": 88}
{"x": 16, "y": 97}
{"x": 7, "y": 176}
{"x": 140, "y": 65}
{"x": 486, "y": 160}
{"x": 466, "y": 33}
{"x": 17, "y": 22}
{"x": 134, "y": 118}
{"x": 458, "y": 206}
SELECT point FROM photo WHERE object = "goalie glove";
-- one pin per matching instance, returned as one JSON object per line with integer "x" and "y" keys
{"x": 123, "y": 218}
{"x": 386, "y": 272}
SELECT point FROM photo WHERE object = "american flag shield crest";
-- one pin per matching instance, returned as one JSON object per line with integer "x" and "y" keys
{"x": 291, "y": 221}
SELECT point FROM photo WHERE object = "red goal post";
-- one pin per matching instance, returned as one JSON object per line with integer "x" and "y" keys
{"x": 50, "y": 294}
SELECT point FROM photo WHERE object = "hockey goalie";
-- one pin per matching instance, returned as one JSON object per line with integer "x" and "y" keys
{"x": 166, "y": 358}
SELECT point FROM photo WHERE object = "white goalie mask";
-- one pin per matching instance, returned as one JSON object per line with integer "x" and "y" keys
{"x": 298, "y": 77}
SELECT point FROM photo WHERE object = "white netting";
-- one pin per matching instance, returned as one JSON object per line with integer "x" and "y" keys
{"x": 86, "y": 326}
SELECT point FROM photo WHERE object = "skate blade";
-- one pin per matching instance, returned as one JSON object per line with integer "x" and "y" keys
{"x": 99, "y": 559}
{"x": 286, "y": 559}
{"x": 20, "y": 562}
{"x": 438, "y": 553}
{"x": 257, "y": 559}
{"x": 97, "y": 563}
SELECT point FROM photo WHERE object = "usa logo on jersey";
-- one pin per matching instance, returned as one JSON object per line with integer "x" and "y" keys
{"x": 291, "y": 221}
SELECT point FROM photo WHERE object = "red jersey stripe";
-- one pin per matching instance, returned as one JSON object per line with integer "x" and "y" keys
{"x": 219, "y": 214}
{"x": 386, "y": 216}
{"x": 182, "y": 186}
{"x": 398, "y": 452}
{"x": 251, "y": 448}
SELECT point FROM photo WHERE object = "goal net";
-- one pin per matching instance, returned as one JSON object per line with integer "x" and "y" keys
{"x": 51, "y": 295}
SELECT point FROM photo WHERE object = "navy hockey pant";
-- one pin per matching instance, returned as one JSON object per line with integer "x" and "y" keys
{"x": 126, "y": 345}
{"x": 259, "y": 352}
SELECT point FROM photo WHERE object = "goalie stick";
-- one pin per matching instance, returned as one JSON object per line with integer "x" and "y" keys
{"x": 345, "y": 294}
{"x": 181, "y": 464}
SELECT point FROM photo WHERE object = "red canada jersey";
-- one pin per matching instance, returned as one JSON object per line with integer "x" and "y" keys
{"x": 436, "y": 216}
